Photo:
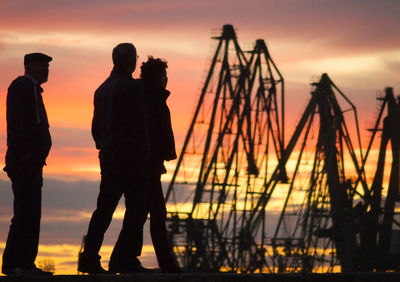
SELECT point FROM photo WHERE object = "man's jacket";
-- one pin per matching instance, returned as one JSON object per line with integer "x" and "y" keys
{"x": 119, "y": 119}
{"x": 28, "y": 135}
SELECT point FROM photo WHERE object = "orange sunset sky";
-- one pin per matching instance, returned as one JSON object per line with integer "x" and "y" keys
{"x": 356, "y": 42}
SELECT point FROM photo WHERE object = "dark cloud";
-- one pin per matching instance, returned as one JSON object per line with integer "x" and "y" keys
{"x": 63, "y": 195}
{"x": 77, "y": 195}
{"x": 68, "y": 263}
{"x": 60, "y": 199}
{"x": 71, "y": 137}
{"x": 64, "y": 204}
{"x": 66, "y": 201}
{"x": 69, "y": 199}
{"x": 5, "y": 195}
{"x": 355, "y": 25}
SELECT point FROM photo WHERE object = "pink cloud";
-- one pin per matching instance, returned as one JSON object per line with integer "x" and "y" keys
{"x": 355, "y": 25}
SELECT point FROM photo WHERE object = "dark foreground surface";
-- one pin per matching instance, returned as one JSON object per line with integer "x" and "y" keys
{"x": 220, "y": 277}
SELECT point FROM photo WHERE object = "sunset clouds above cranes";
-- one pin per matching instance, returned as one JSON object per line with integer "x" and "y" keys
{"x": 356, "y": 42}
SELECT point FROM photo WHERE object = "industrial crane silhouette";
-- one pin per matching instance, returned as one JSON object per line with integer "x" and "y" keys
{"x": 234, "y": 167}
{"x": 237, "y": 132}
{"x": 335, "y": 220}
{"x": 316, "y": 230}
{"x": 380, "y": 222}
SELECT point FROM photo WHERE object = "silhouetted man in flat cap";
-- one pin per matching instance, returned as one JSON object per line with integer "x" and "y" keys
{"x": 119, "y": 130}
{"x": 28, "y": 145}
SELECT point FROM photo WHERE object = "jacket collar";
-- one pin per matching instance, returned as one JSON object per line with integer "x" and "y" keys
{"x": 34, "y": 82}
{"x": 119, "y": 72}
{"x": 157, "y": 89}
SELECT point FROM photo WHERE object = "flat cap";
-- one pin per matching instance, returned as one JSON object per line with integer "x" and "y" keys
{"x": 28, "y": 58}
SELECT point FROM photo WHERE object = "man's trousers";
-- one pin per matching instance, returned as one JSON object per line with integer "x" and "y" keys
{"x": 23, "y": 238}
{"x": 119, "y": 179}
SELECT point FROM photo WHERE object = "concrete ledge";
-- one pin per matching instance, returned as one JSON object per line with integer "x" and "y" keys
{"x": 218, "y": 277}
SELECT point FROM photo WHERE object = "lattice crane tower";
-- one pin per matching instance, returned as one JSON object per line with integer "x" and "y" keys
{"x": 234, "y": 144}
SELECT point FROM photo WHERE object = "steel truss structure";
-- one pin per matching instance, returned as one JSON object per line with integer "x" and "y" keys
{"x": 240, "y": 200}
{"x": 315, "y": 230}
{"x": 235, "y": 135}
{"x": 379, "y": 221}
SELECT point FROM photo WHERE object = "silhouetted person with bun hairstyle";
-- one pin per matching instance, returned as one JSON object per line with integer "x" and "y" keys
{"x": 119, "y": 131}
{"x": 162, "y": 144}
{"x": 29, "y": 143}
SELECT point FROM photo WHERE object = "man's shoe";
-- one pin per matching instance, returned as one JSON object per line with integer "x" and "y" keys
{"x": 90, "y": 265}
{"x": 129, "y": 269}
{"x": 21, "y": 270}
{"x": 38, "y": 271}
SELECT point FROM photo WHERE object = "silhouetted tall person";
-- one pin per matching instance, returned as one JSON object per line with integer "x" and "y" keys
{"x": 119, "y": 131}
{"x": 28, "y": 145}
{"x": 162, "y": 144}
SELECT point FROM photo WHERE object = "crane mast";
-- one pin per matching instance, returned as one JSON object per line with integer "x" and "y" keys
{"x": 235, "y": 166}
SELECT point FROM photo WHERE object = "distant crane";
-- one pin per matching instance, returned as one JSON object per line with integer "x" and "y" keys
{"x": 335, "y": 221}
{"x": 380, "y": 222}
{"x": 315, "y": 230}
{"x": 234, "y": 142}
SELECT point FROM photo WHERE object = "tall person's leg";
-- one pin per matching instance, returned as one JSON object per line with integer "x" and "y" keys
{"x": 107, "y": 201}
{"x": 128, "y": 247}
